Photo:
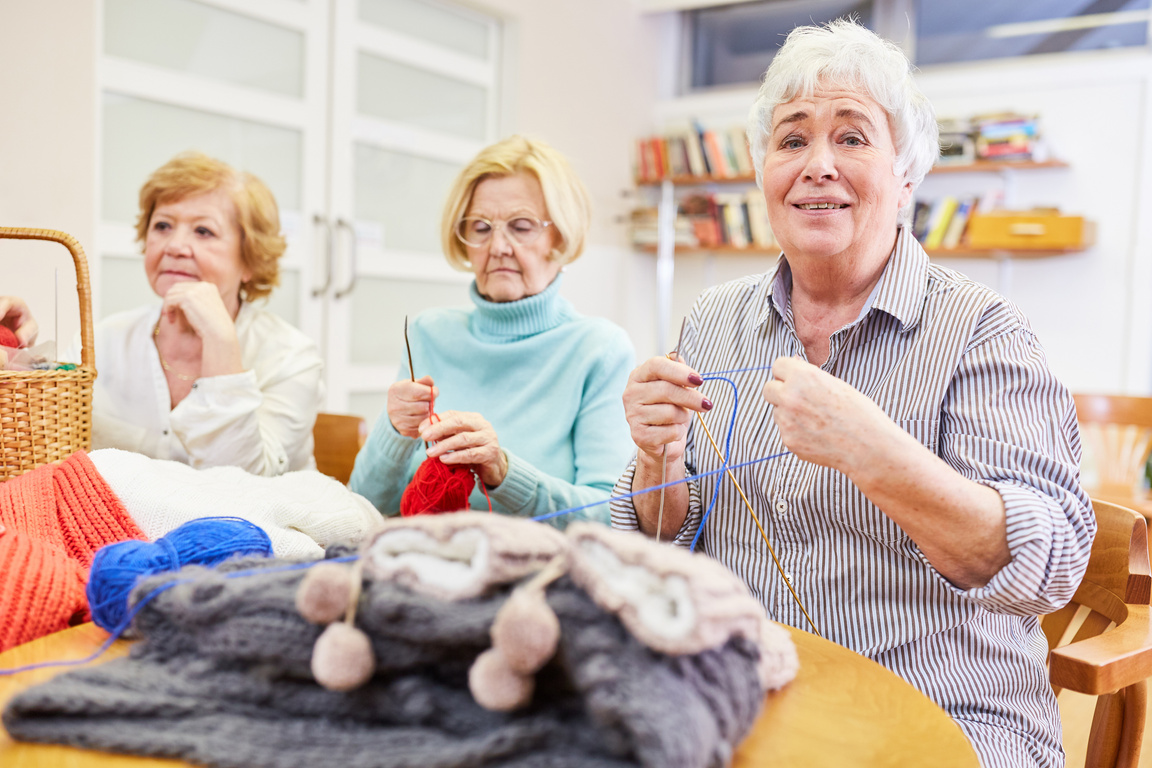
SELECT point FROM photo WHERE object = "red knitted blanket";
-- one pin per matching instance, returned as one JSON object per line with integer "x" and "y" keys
{"x": 52, "y": 521}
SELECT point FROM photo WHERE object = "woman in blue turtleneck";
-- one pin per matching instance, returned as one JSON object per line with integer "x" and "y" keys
{"x": 526, "y": 390}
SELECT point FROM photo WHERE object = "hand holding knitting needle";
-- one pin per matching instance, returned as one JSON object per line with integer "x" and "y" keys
{"x": 659, "y": 401}
{"x": 409, "y": 403}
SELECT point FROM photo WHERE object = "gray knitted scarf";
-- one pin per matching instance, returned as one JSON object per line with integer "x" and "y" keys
{"x": 221, "y": 677}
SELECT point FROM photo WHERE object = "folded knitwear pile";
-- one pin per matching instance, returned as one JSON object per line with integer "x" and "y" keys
{"x": 53, "y": 519}
{"x": 662, "y": 658}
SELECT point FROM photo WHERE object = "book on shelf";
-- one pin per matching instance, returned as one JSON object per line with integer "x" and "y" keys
{"x": 938, "y": 220}
{"x": 958, "y": 223}
{"x": 957, "y": 146}
{"x": 645, "y": 225}
{"x": 694, "y": 150}
{"x": 758, "y": 223}
{"x": 995, "y": 137}
{"x": 728, "y": 219}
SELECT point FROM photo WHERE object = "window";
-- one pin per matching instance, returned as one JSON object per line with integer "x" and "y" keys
{"x": 733, "y": 44}
{"x": 992, "y": 29}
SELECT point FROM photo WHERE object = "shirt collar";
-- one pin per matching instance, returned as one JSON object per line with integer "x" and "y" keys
{"x": 900, "y": 292}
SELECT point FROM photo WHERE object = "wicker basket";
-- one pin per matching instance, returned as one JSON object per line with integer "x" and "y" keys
{"x": 45, "y": 416}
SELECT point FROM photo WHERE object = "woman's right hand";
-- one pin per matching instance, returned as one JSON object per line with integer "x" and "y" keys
{"x": 658, "y": 403}
{"x": 408, "y": 404}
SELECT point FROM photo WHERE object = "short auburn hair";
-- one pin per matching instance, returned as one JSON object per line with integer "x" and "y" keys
{"x": 564, "y": 195}
{"x": 194, "y": 173}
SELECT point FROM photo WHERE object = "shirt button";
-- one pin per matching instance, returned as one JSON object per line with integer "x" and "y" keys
{"x": 165, "y": 431}
{"x": 781, "y": 506}
{"x": 787, "y": 577}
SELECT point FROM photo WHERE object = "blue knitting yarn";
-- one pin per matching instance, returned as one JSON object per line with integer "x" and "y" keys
{"x": 207, "y": 541}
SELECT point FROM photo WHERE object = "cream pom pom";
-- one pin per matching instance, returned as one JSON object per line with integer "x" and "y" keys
{"x": 496, "y": 686}
{"x": 342, "y": 658}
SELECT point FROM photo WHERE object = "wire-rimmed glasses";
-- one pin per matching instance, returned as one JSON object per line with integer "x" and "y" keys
{"x": 477, "y": 231}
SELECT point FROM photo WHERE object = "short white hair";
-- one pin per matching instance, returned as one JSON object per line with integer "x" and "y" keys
{"x": 844, "y": 53}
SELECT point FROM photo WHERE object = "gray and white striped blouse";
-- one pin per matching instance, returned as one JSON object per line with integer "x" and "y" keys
{"x": 958, "y": 367}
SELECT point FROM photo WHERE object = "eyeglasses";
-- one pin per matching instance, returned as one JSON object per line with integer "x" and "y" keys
{"x": 477, "y": 231}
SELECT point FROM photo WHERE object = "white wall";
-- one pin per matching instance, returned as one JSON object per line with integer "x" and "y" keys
{"x": 1092, "y": 310}
{"x": 47, "y": 148}
{"x": 583, "y": 76}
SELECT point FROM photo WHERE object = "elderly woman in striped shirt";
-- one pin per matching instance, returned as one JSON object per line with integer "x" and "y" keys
{"x": 927, "y": 506}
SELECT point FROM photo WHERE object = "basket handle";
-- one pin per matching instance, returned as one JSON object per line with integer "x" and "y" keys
{"x": 83, "y": 281}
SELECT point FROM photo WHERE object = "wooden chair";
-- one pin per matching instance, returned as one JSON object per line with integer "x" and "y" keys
{"x": 1109, "y": 655}
{"x": 1116, "y": 432}
{"x": 338, "y": 438}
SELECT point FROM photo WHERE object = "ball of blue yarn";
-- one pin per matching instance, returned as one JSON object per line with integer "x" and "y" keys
{"x": 210, "y": 540}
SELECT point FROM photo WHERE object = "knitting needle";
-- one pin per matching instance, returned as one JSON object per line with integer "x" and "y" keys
{"x": 756, "y": 520}
{"x": 664, "y": 455}
{"x": 407, "y": 346}
{"x": 412, "y": 368}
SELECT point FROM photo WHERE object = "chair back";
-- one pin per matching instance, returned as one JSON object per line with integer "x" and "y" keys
{"x": 1101, "y": 643}
{"x": 1116, "y": 432}
{"x": 338, "y": 437}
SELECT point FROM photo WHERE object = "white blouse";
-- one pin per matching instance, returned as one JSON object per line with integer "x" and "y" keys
{"x": 260, "y": 420}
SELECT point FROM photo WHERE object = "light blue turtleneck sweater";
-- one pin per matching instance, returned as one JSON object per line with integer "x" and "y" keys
{"x": 548, "y": 380}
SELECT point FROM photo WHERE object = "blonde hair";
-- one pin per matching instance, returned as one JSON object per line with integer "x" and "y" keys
{"x": 564, "y": 195}
{"x": 194, "y": 173}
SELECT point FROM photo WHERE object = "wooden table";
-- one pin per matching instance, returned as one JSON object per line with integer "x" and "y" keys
{"x": 842, "y": 709}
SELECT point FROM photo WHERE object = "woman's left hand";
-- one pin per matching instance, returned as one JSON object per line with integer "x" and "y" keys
{"x": 196, "y": 308}
{"x": 821, "y": 418}
{"x": 467, "y": 438}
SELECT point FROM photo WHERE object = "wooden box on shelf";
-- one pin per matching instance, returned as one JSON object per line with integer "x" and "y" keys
{"x": 1029, "y": 230}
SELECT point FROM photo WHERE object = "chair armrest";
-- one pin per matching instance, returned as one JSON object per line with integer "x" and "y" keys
{"x": 1107, "y": 662}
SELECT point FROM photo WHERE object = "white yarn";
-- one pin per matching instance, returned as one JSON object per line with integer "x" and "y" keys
{"x": 302, "y": 512}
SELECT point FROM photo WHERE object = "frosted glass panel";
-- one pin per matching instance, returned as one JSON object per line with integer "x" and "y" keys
{"x": 404, "y": 196}
{"x": 140, "y": 136}
{"x": 285, "y": 298}
{"x": 123, "y": 285}
{"x": 393, "y": 91}
{"x": 210, "y": 42}
{"x": 429, "y": 22}
{"x": 380, "y": 305}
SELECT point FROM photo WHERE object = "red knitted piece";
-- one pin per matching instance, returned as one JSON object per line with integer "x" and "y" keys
{"x": 8, "y": 338}
{"x": 54, "y": 518}
{"x": 437, "y": 487}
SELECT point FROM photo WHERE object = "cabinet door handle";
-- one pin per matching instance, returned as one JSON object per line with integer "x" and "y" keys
{"x": 321, "y": 222}
{"x": 351, "y": 230}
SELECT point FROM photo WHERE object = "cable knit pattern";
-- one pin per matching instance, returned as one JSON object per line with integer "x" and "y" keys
{"x": 302, "y": 512}
{"x": 52, "y": 521}
{"x": 221, "y": 678}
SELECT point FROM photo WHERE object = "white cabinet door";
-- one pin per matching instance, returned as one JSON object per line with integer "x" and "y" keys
{"x": 414, "y": 98}
{"x": 241, "y": 80}
{"x": 356, "y": 113}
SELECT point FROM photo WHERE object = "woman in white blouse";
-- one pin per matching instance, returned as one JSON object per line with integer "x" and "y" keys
{"x": 207, "y": 377}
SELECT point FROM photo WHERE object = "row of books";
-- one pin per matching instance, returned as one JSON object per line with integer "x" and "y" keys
{"x": 734, "y": 219}
{"x": 942, "y": 223}
{"x": 693, "y": 151}
{"x": 1001, "y": 136}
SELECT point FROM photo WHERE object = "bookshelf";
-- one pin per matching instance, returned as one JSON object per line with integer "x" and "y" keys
{"x": 666, "y": 246}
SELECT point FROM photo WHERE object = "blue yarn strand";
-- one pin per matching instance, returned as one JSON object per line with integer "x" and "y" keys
{"x": 724, "y": 467}
{"x": 725, "y": 458}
